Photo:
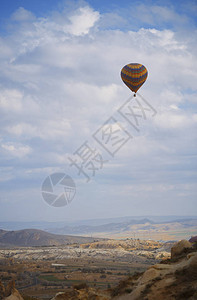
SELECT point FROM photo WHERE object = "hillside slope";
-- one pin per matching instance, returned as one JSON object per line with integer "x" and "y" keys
{"x": 172, "y": 279}
{"x": 176, "y": 279}
{"x": 35, "y": 237}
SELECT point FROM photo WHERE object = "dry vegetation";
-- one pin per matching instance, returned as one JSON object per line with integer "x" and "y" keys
{"x": 43, "y": 271}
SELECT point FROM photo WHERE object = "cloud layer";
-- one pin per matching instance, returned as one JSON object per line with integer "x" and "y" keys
{"x": 60, "y": 81}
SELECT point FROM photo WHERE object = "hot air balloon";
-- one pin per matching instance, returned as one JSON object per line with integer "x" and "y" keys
{"x": 134, "y": 75}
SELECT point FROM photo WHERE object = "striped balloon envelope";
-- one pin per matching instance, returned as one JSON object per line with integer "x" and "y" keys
{"x": 134, "y": 75}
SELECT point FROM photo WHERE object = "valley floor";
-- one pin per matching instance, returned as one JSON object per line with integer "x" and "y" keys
{"x": 41, "y": 272}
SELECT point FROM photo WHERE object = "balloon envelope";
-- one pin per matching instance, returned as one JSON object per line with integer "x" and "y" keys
{"x": 134, "y": 76}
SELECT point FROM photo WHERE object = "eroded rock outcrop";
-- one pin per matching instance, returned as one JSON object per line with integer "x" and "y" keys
{"x": 180, "y": 247}
{"x": 175, "y": 279}
{"x": 2, "y": 290}
{"x": 193, "y": 239}
{"x": 83, "y": 293}
{"x": 172, "y": 279}
{"x": 9, "y": 292}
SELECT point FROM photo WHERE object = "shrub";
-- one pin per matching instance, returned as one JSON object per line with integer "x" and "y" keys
{"x": 128, "y": 290}
{"x": 81, "y": 286}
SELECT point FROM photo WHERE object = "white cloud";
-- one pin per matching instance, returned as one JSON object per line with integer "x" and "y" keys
{"x": 6, "y": 51}
{"x": 61, "y": 81}
{"x": 11, "y": 100}
{"x": 6, "y": 174}
{"x": 166, "y": 39}
{"x": 111, "y": 19}
{"x": 17, "y": 150}
{"x": 156, "y": 15}
{"x": 22, "y": 129}
{"x": 53, "y": 129}
{"x": 22, "y": 15}
{"x": 171, "y": 120}
{"x": 172, "y": 106}
{"x": 81, "y": 22}
{"x": 166, "y": 14}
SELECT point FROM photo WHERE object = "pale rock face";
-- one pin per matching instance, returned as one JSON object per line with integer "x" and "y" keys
{"x": 82, "y": 294}
{"x": 163, "y": 255}
{"x": 174, "y": 278}
{"x": 192, "y": 265}
{"x": 150, "y": 274}
{"x": 179, "y": 248}
{"x": 60, "y": 295}
{"x": 9, "y": 292}
{"x": 14, "y": 296}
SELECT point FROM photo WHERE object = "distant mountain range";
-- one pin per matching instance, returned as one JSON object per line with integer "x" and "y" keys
{"x": 163, "y": 228}
{"x": 43, "y": 225}
{"x": 110, "y": 227}
{"x": 35, "y": 237}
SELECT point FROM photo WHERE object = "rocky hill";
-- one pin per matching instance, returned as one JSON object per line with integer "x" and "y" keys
{"x": 173, "y": 279}
{"x": 9, "y": 292}
{"x": 35, "y": 237}
{"x": 125, "y": 244}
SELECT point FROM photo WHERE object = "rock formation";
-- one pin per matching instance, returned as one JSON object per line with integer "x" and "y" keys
{"x": 173, "y": 279}
{"x": 179, "y": 248}
{"x": 9, "y": 292}
{"x": 2, "y": 290}
{"x": 193, "y": 239}
{"x": 83, "y": 292}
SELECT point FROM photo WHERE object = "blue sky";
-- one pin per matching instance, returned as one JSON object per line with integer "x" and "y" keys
{"x": 60, "y": 81}
{"x": 179, "y": 9}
